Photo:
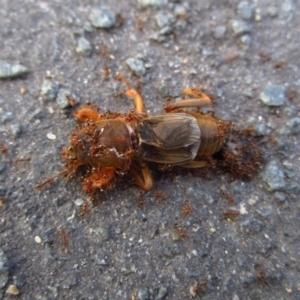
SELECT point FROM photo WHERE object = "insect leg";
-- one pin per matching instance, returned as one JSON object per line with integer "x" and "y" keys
{"x": 132, "y": 93}
{"x": 195, "y": 164}
{"x": 201, "y": 99}
{"x": 85, "y": 113}
{"x": 145, "y": 181}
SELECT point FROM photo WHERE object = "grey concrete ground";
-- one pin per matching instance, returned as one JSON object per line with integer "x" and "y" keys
{"x": 246, "y": 54}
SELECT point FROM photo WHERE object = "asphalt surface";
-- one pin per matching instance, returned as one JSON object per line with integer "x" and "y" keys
{"x": 57, "y": 244}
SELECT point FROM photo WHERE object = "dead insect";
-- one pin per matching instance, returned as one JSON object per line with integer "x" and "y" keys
{"x": 159, "y": 195}
{"x": 261, "y": 275}
{"x": 200, "y": 287}
{"x": 108, "y": 145}
{"x": 3, "y": 148}
{"x": 106, "y": 72}
{"x": 264, "y": 57}
{"x": 228, "y": 197}
{"x": 232, "y": 58}
{"x": 292, "y": 94}
{"x": 120, "y": 20}
{"x": 186, "y": 208}
{"x": 64, "y": 239}
{"x": 181, "y": 232}
{"x": 231, "y": 214}
{"x": 71, "y": 100}
{"x": 104, "y": 51}
{"x": 141, "y": 200}
{"x": 279, "y": 64}
{"x": 84, "y": 208}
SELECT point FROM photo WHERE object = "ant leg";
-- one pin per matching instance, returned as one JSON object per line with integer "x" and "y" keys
{"x": 98, "y": 179}
{"x": 201, "y": 99}
{"x": 132, "y": 93}
{"x": 145, "y": 181}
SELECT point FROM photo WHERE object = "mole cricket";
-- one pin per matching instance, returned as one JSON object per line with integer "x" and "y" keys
{"x": 105, "y": 146}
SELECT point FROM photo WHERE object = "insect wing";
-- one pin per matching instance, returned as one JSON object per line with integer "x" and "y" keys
{"x": 172, "y": 138}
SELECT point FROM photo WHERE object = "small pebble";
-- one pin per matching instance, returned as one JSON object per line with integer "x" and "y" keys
{"x": 148, "y": 3}
{"x": 12, "y": 290}
{"x": 273, "y": 95}
{"x": 6, "y": 117}
{"x": 11, "y": 70}
{"x": 87, "y": 26}
{"x": 239, "y": 27}
{"x": 180, "y": 11}
{"x": 136, "y": 66}
{"x": 48, "y": 74}
{"x": 165, "y": 31}
{"x": 78, "y": 202}
{"x": 51, "y": 136}
{"x": 193, "y": 291}
{"x": 49, "y": 90}
{"x": 212, "y": 230}
{"x": 83, "y": 47}
{"x": 157, "y": 37}
{"x": 102, "y": 17}
{"x": 4, "y": 268}
{"x": 245, "y": 39}
{"x": 272, "y": 11}
{"x": 38, "y": 114}
{"x": 162, "y": 20}
{"x": 38, "y": 239}
{"x": 162, "y": 293}
{"x": 180, "y": 24}
{"x": 291, "y": 127}
{"x": 280, "y": 196}
{"x": 143, "y": 294}
{"x": 274, "y": 176}
{"x": 219, "y": 32}
{"x": 62, "y": 98}
{"x": 244, "y": 10}
{"x": 16, "y": 130}
{"x": 102, "y": 234}
{"x": 23, "y": 90}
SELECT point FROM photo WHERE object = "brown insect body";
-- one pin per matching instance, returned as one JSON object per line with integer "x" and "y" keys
{"x": 180, "y": 138}
{"x": 110, "y": 143}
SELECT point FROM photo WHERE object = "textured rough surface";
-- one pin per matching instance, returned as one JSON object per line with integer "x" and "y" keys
{"x": 116, "y": 248}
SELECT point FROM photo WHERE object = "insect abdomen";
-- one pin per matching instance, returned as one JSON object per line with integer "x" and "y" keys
{"x": 214, "y": 133}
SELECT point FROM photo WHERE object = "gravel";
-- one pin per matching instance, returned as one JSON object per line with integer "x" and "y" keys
{"x": 49, "y": 90}
{"x": 62, "y": 98}
{"x": 136, "y": 65}
{"x": 219, "y": 32}
{"x": 274, "y": 176}
{"x": 83, "y": 47}
{"x": 162, "y": 293}
{"x": 239, "y": 27}
{"x": 16, "y": 130}
{"x": 291, "y": 127}
{"x": 273, "y": 95}
{"x": 143, "y": 294}
{"x": 102, "y": 17}
{"x": 162, "y": 20}
{"x": 155, "y": 3}
{"x": 8, "y": 70}
{"x": 244, "y": 10}
{"x": 4, "y": 268}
